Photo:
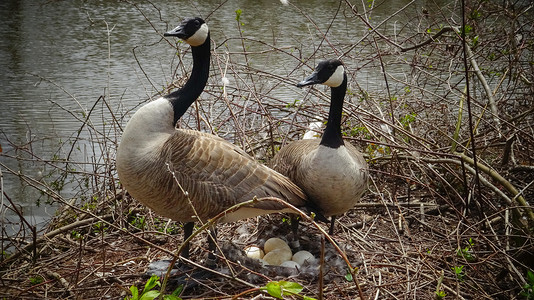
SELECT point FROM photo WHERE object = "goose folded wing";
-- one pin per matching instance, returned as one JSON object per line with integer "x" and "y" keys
{"x": 217, "y": 174}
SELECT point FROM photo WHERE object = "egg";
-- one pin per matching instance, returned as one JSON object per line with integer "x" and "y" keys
{"x": 275, "y": 243}
{"x": 290, "y": 264}
{"x": 278, "y": 256}
{"x": 254, "y": 252}
{"x": 303, "y": 256}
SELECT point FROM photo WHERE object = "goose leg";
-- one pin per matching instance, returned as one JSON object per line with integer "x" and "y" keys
{"x": 188, "y": 231}
{"x": 332, "y": 222}
{"x": 160, "y": 267}
{"x": 212, "y": 245}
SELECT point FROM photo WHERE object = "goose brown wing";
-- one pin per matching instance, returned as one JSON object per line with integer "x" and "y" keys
{"x": 217, "y": 174}
{"x": 289, "y": 159}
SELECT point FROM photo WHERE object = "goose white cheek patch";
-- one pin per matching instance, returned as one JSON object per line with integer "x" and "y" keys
{"x": 199, "y": 37}
{"x": 337, "y": 78}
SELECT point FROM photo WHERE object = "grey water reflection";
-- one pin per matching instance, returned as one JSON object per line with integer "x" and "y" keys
{"x": 59, "y": 57}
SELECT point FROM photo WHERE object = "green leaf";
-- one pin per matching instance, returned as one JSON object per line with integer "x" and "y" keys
{"x": 151, "y": 295}
{"x": 530, "y": 277}
{"x": 238, "y": 14}
{"x": 135, "y": 292}
{"x": 151, "y": 283}
{"x": 274, "y": 289}
{"x": 348, "y": 277}
{"x": 171, "y": 297}
{"x": 178, "y": 290}
{"x": 440, "y": 294}
{"x": 291, "y": 287}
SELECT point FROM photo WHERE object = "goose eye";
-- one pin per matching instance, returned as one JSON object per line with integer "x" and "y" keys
{"x": 197, "y": 23}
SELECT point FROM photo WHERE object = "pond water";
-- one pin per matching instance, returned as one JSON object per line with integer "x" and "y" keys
{"x": 59, "y": 57}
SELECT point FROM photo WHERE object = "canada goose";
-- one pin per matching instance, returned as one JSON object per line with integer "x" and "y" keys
{"x": 332, "y": 174}
{"x": 208, "y": 173}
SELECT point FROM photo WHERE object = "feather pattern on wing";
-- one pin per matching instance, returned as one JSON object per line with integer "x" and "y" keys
{"x": 215, "y": 174}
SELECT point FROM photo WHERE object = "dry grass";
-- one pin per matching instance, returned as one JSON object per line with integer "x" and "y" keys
{"x": 427, "y": 212}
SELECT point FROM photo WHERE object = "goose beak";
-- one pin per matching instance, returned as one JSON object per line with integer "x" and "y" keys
{"x": 177, "y": 32}
{"x": 312, "y": 79}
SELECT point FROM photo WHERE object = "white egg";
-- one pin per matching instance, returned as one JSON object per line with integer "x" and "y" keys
{"x": 290, "y": 264}
{"x": 303, "y": 256}
{"x": 278, "y": 256}
{"x": 275, "y": 243}
{"x": 254, "y": 252}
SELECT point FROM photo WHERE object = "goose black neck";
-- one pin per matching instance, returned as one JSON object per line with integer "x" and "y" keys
{"x": 332, "y": 134}
{"x": 184, "y": 97}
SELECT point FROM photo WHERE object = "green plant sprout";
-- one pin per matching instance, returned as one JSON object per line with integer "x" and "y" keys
{"x": 408, "y": 119}
{"x": 238, "y": 13}
{"x": 466, "y": 252}
{"x": 100, "y": 227}
{"x": 458, "y": 271}
{"x": 278, "y": 289}
{"x": 348, "y": 276}
{"x": 36, "y": 280}
{"x": 76, "y": 235}
{"x": 294, "y": 104}
{"x": 138, "y": 222}
{"x": 440, "y": 294}
{"x": 528, "y": 288}
{"x": 149, "y": 294}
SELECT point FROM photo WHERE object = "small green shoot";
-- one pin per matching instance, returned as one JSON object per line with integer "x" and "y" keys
{"x": 76, "y": 235}
{"x": 440, "y": 295}
{"x": 528, "y": 288}
{"x": 149, "y": 294}
{"x": 36, "y": 280}
{"x": 408, "y": 119}
{"x": 467, "y": 29}
{"x": 294, "y": 104}
{"x": 458, "y": 271}
{"x": 100, "y": 227}
{"x": 138, "y": 222}
{"x": 238, "y": 13}
{"x": 278, "y": 289}
{"x": 348, "y": 276}
{"x": 467, "y": 252}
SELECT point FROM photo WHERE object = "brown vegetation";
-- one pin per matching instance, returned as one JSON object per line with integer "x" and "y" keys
{"x": 450, "y": 154}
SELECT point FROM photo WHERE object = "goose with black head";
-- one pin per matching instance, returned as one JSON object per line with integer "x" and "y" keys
{"x": 187, "y": 175}
{"x": 332, "y": 173}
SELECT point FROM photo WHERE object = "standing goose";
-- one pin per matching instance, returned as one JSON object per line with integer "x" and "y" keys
{"x": 332, "y": 174}
{"x": 208, "y": 173}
